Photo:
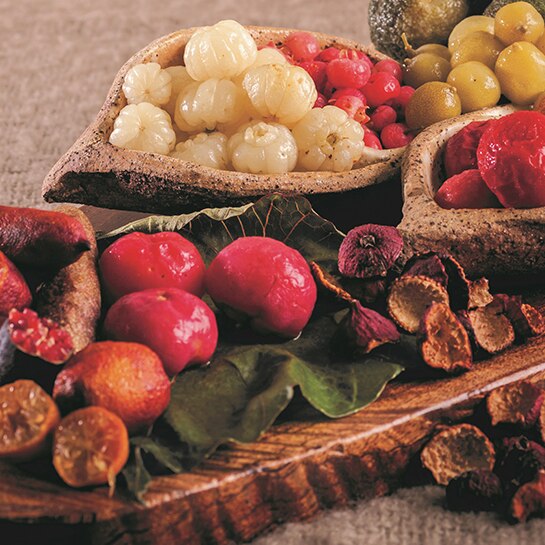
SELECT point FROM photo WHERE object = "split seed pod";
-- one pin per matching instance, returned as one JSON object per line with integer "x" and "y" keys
{"x": 457, "y": 450}
{"x": 518, "y": 403}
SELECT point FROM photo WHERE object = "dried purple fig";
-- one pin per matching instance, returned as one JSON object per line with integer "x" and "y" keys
{"x": 518, "y": 403}
{"x": 409, "y": 298}
{"x": 520, "y": 461}
{"x": 369, "y": 250}
{"x": 490, "y": 329}
{"x": 479, "y": 293}
{"x": 444, "y": 343}
{"x": 527, "y": 320}
{"x": 529, "y": 500}
{"x": 366, "y": 329}
{"x": 479, "y": 490}
{"x": 429, "y": 265}
{"x": 329, "y": 282}
{"x": 457, "y": 450}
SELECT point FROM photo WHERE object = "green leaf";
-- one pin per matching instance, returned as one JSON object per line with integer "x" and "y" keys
{"x": 136, "y": 475}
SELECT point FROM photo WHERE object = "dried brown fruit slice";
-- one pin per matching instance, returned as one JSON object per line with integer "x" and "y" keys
{"x": 479, "y": 293}
{"x": 329, "y": 282}
{"x": 429, "y": 265}
{"x": 491, "y": 330}
{"x": 479, "y": 490}
{"x": 457, "y": 450}
{"x": 527, "y": 320}
{"x": 444, "y": 342}
{"x": 90, "y": 447}
{"x": 409, "y": 298}
{"x": 28, "y": 416}
{"x": 517, "y": 403}
{"x": 529, "y": 499}
{"x": 541, "y": 422}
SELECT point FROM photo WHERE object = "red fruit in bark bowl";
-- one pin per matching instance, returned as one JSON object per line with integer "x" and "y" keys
{"x": 265, "y": 281}
{"x": 178, "y": 326}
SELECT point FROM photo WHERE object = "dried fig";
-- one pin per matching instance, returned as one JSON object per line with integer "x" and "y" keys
{"x": 457, "y": 450}
{"x": 409, "y": 298}
{"x": 444, "y": 342}
{"x": 369, "y": 250}
{"x": 517, "y": 403}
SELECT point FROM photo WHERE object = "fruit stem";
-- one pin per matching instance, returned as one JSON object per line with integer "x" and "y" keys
{"x": 408, "y": 47}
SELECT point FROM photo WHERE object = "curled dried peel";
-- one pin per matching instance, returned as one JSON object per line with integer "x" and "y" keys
{"x": 529, "y": 499}
{"x": 410, "y": 297}
{"x": 491, "y": 329}
{"x": 444, "y": 342}
{"x": 517, "y": 403}
{"x": 479, "y": 293}
{"x": 329, "y": 282}
{"x": 457, "y": 450}
{"x": 429, "y": 265}
{"x": 527, "y": 320}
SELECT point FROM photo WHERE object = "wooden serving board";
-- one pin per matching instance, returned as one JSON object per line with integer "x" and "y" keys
{"x": 299, "y": 468}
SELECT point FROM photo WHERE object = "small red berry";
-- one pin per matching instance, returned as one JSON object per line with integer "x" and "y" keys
{"x": 390, "y": 67}
{"x": 371, "y": 139}
{"x": 355, "y": 107}
{"x": 380, "y": 88}
{"x": 400, "y": 102}
{"x": 328, "y": 54}
{"x": 356, "y": 55}
{"x": 303, "y": 46}
{"x": 383, "y": 116}
{"x": 321, "y": 101}
{"x": 396, "y": 135}
{"x": 348, "y": 73}
{"x": 347, "y": 91}
{"x": 317, "y": 71}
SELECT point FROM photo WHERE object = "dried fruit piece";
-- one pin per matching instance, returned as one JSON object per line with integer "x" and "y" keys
{"x": 90, "y": 447}
{"x": 520, "y": 461}
{"x": 410, "y": 297}
{"x": 491, "y": 330}
{"x": 41, "y": 238}
{"x": 517, "y": 403}
{"x": 369, "y": 250}
{"x": 14, "y": 292}
{"x": 429, "y": 265}
{"x": 479, "y": 490}
{"x": 457, "y": 450}
{"x": 479, "y": 293}
{"x": 366, "y": 329}
{"x": 458, "y": 284}
{"x": 444, "y": 343}
{"x": 527, "y": 320}
{"x": 125, "y": 378}
{"x": 27, "y": 417}
{"x": 329, "y": 282}
{"x": 40, "y": 337}
{"x": 541, "y": 422}
{"x": 529, "y": 499}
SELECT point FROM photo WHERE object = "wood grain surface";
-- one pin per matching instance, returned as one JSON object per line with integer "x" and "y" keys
{"x": 303, "y": 465}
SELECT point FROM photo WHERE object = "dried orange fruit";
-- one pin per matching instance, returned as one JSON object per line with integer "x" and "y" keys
{"x": 90, "y": 447}
{"x": 27, "y": 417}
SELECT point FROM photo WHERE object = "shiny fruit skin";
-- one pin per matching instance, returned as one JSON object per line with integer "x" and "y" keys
{"x": 433, "y": 102}
{"x": 478, "y": 46}
{"x": 14, "y": 291}
{"x": 518, "y": 22}
{"x": 178, "y": 326}
{"x": 395, "y": 135}
{"x": 384, "y": 115}
{"x": 520, "y": 69}
{"x": 380, "y": 88}
{"x": 466, "y": 190}
{"x": 436, "y": 49}
{"x": 461, "y": 150}
{"x": 90, "y": 447}
{"x": 265, "y": 280}
{"x": 125, "y": 378}
{"x": 345, "y": 72}
{"x": 303, "y": 46}
{"x": 391, "y": 67}
{"x": 28, "y": 417}
{"x": 139, "y": 261}
{"x": 477, "y": 86}
{"x": 511, "y": 156}
{"x": 425, "y": 68}
{"x": 400, "y": 102}
{"x": 467, "y": 26}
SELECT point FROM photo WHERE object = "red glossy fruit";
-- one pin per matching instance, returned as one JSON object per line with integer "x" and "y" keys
{"x": 178, "y": 326}
{"x": 303, "y": 46}
{"x": 355, "y": 107}
{"x": 466, "y": 190}
{"x": 380, "y": 88}
{"x": 317, "y": 71}
{"x": 328, "y": 54}
{"x": 14, "y": 291}
{"x": 461, "y": 150}
{"x": 343, "y": 72}
{"x": 390, "y": 67}
{"x": 395, "y": 135}
{"x": 511, "y": 158}
{"x": 400, "y": 102}
{"x": 140, "y": 261}
{"x": 382, "y": 117}
{"x": 321, "y": 101}
{"x": 265, "y": 280}
{"x": 371, "y": 139}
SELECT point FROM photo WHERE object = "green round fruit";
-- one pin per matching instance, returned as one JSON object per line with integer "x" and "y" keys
{"x": 478, "y": 46}
{"x": 424, "y": 68}
{"x": 518, "y": 22}
{"x": 496, "y": 5}
{"x": 469, "y": 25}
{"x": 433, "y": 102}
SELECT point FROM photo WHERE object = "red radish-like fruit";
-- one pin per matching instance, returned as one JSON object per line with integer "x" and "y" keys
{"x": 266, "y": 281}
{"x": 139, "y": 261}
{"x": 344, "y": 72}
{"x": 466, "y": 190}
{"x": 390, "y": 67}
{"x": 380, "y": 88}
{"x": 178, "y": 326}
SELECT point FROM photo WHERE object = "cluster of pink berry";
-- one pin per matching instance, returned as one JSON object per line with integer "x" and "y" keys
{"x": 372, "y": 94}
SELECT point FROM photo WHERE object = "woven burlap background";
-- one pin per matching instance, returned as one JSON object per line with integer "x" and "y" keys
{"x": 57, "y": 60}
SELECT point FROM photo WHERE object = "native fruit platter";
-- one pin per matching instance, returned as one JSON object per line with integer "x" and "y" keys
{"x": 251, "y": 357}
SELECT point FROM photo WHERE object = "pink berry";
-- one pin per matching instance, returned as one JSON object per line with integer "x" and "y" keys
{"x": 396, "y": 135}
{"x": 348, "y": 73}
{"x": 317, "y": 71}
{"x": 390, "y": 67}
{"x": 380, "y": 88}
{"x": 321, "y": 101}
{"x": 383, "y": 116}
{"x": 371, "y": 139}
{"x": 303, "y": 46}
{"x": 400, "y": 102}
{"x": 328, "y": 54}
{"x": 355, "y": 107}
{"x": 348, "y": 91}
